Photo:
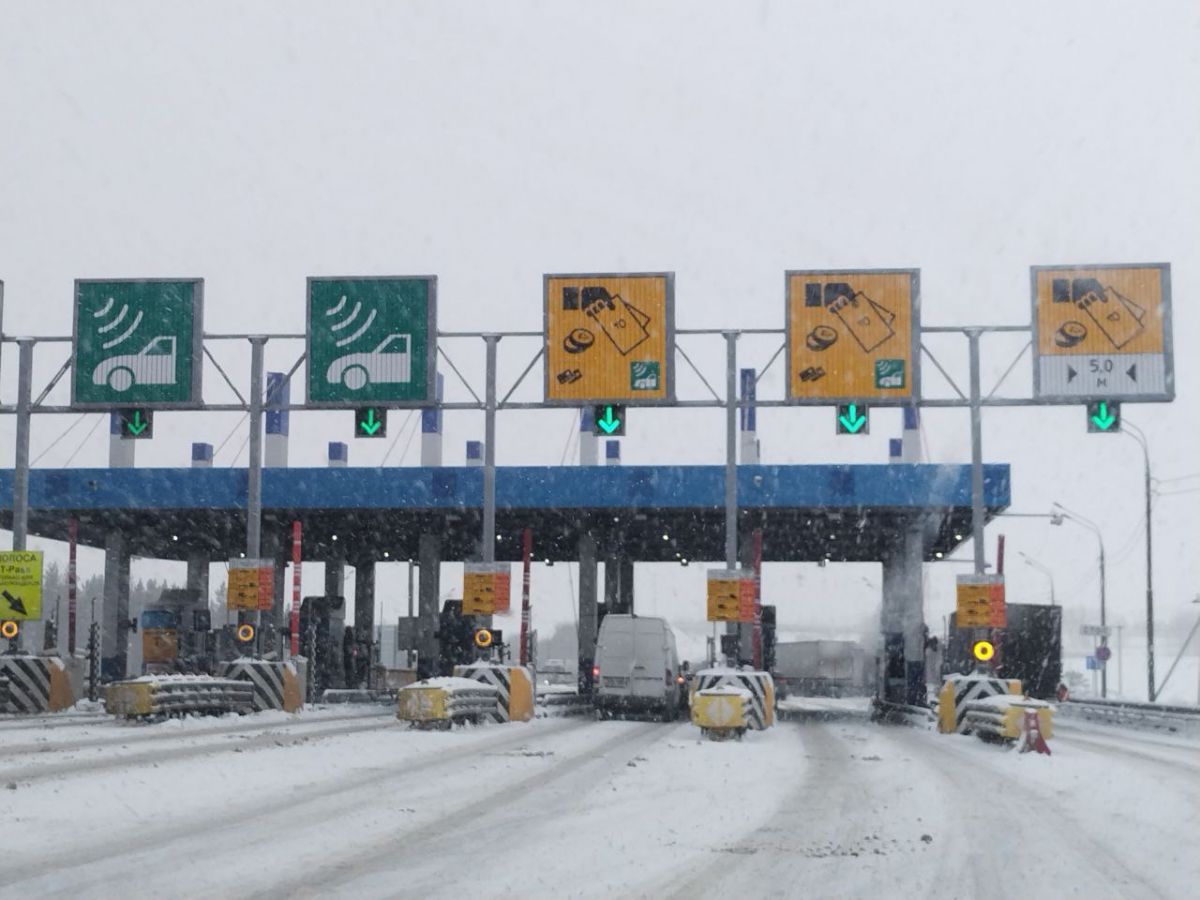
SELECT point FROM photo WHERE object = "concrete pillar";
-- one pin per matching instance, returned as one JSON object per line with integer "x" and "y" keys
{"x": 902, "y": 619}
{"x": 120, "y": 451}
{"x": 748, "y": 419}
{"x": 197, "y": 574}
{"x": 202, "y": 456}
{"x": 612, "y": 583}
{"x": 475, "y": 454}
{"x": 911, "y": 439}
{"x": 431, "y": 430}
{"x": 588, "y": 612}
{"x": 429, "y": 557}
{"x": 364, "y": 619}
{"x": 625, "y": 588}
{"x": 339, "y": 455}
{"x": 114, "y": 621}
{"x": 335, "y": 577}
{"x": 587, "y": 437}
{"x": 612, "y": 453}
{"x": 275, "y": 446}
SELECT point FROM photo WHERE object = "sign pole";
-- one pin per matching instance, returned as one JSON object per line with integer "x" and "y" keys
{"x": 21, "y": 467}
{"x": 295, "y": 622}
{"x": 488, "y": 550}
{"x": 526, "y": 553}
{"x": 758, "y": 641}
{"x": 254, "y": 479}
{"x": 73, "y": 540}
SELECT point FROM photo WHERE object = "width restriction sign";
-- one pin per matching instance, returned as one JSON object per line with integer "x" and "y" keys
{"x": 486, "y": 588}
{"x": 21, "y": 584}
{"x": 980, "y": 602}
{"x": 251, "y": 585}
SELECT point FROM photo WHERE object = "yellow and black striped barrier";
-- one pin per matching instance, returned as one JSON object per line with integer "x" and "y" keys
{"x": 36, "y": 684}
{"x": 515, "y": 699}
{"x": 277, "y": 685}
{"x": 445, "y": 702}
{"x": 728, "y": 702}
{"x": 991, "y": 708}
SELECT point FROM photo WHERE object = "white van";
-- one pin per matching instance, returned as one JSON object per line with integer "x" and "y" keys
{"x": 637, "y": 668}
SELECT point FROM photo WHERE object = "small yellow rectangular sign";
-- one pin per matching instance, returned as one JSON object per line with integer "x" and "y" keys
{"x": 251, "y": 585}
{"x": 609, "y": 338}
{"x": 486, "y": 588}
{"x": 21, "y": 584}
{"x": 730, "y": 595}
{"x": 852, "y": 335}
{"x": 1100, "y": 310}
{"x": 980, "y": 602}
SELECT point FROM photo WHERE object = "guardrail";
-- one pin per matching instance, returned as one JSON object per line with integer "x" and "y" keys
{"x": 1155, "y": 716}
{"x": 178, "y": 695}
{"x": 557, "y": 704}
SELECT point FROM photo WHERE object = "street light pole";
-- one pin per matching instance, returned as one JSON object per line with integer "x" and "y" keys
{"x": 1045, "y": 570}
{"x": 1095, "y": 529}
{"x": 1140, "y": 436}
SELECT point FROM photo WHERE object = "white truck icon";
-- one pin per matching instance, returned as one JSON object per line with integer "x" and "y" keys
{"x": 153, "y": 364}
{"x": 389, "y": 363}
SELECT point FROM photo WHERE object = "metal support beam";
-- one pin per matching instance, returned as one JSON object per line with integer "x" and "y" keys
{"x": 977, "y": 509}
{"x": 488, "y": 550}
{"x": 21, "y": 468}
{"x": 254, "y": 498}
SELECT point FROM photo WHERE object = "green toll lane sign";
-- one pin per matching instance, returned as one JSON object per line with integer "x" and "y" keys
{"x": 1103, "y": 417}
{"x": 372, "y": 340}
{"x": 370, "y": 422}
{"x": 137, "y": 343}
{"x": 852, "y": 419}
{"x": 609, "y": 420}
{"x": 136, "y": 424}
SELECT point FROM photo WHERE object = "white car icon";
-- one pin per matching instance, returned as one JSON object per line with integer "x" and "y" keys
{"x": 153, "y": 364}
{"x": 389, "y": 363}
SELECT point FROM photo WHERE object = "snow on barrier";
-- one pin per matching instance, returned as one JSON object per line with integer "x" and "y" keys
{"x": 1146, "y": 716}
{"x": 443, "y": 702}
{"x": 1001, "y": 717}
{"x": 560, "y": 701}
{"x": 276, "y": 684}
{"x": 36, "y": 684}
{"x": 514, "y": 688}
{"x": 176, "y": 695}
{"x": 960, "y": 690}
{"x": 725, "y": 711}
{"x": 759, "y": 707}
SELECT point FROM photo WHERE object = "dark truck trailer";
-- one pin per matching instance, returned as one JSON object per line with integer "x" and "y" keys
{"x": 1030, "y": 648}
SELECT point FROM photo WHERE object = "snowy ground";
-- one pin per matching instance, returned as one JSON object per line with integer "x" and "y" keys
{"x": 349, "y": 803}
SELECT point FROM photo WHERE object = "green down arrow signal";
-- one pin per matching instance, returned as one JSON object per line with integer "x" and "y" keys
{"x": 851, "y": 420}
{"x": 1103, "y": 419}
{"x": 608, "y": 423}
{"x": 372, "y": 425}
{"x": 137, "y": 426}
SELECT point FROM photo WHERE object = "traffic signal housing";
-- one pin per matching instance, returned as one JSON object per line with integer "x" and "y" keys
{"x": 608, "y": 419}
{"x": 136, "y": 424}
{"x": 852, "y": 418}
{"x": 1103, "y": 417}
{"x": 370, "y": 422}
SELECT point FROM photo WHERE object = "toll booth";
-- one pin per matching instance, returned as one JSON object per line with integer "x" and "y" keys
{"x": 176, "y": 634}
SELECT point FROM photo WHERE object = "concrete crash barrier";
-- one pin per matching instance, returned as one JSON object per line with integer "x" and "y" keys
{"x": 760, "y": 709}
{"x": 276, "y": 685}
{"x": 959, "y": 692}
{"x": 444, "y": 702}
{"x": 1002, "y": 717}
{"x": 35, "y": 684}
{"x": 555, "y": 701}
{"x": 514, "y": 688}
{"x": 175, "y": 695}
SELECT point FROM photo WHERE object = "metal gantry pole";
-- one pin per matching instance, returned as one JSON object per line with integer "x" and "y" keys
{"x": 21, "y": 463}
{"x": 488, "y": 550}
{"x": 1151, "y": 691}
{"x": 254, "y": 480}
{"x": 976, "y": 453}
{"x": 731, "y": 449}
{"x": 1103, "y": 619}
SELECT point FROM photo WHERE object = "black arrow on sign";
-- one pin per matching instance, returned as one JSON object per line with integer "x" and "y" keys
{"x": 1071, "y": 373}
{"x": 1132, "y": 372}
{"x": 14, "y": 602}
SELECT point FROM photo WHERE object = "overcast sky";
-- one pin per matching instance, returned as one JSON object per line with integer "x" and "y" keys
{"x": 257, "y": 144}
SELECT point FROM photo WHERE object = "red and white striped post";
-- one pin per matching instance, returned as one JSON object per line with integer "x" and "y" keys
{"x": 73, "y": 539}
{"x": 295, "y": 588}
{"x": 757, "y": 643}
{"x": 526, "y": 554}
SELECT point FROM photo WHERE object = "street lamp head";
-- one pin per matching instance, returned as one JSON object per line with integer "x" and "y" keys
{"x": 1056, "y": 518}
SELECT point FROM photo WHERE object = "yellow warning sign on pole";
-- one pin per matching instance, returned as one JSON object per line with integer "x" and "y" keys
{"x": 610, "y": 338}
{"x": 251, "y": 585}
{"x": 980, "y": 602}
{"x": 486, "y": 588}
{"x": 20, "y": 584}
{"x": 853, "y": 335}
{"x": 730, "y": 595}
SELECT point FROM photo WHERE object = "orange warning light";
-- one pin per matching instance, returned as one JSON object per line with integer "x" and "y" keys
{"x": 983, "y": 650}
{"x": 9, "y": 629}
{"x": 483, "y": 638}
{"x": 245, "y": 633}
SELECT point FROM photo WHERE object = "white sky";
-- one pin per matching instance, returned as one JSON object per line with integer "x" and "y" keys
{"x": 254, "y": 145}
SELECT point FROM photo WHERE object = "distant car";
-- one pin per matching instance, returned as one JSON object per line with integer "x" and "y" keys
{"x": 389, "y": 363}
{"x": 153, "y": 364}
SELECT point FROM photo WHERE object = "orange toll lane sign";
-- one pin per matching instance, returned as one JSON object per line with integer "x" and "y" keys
{"x": 1102, "y": 332}
{"x": 251, "y": 585}
{"x": 486, "y": 588}
{"x": 980, "y": 602}
{"x": 853, "y": 334}
{"x": 610, "y": 338}
{"x": 730, "y": 595}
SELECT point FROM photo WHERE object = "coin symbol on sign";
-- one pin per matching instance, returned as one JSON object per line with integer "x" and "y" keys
{"x": 579, "y": 340}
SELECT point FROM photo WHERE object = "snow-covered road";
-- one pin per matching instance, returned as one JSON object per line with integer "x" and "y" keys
{"x": 819, "y": 806}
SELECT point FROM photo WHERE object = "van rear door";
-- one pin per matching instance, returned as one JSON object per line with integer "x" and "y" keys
{"x": 649, "y": 676}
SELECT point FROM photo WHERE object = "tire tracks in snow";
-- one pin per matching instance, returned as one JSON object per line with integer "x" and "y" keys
{"x": 343, "y": 795}
{"x": 391, "y": 853}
